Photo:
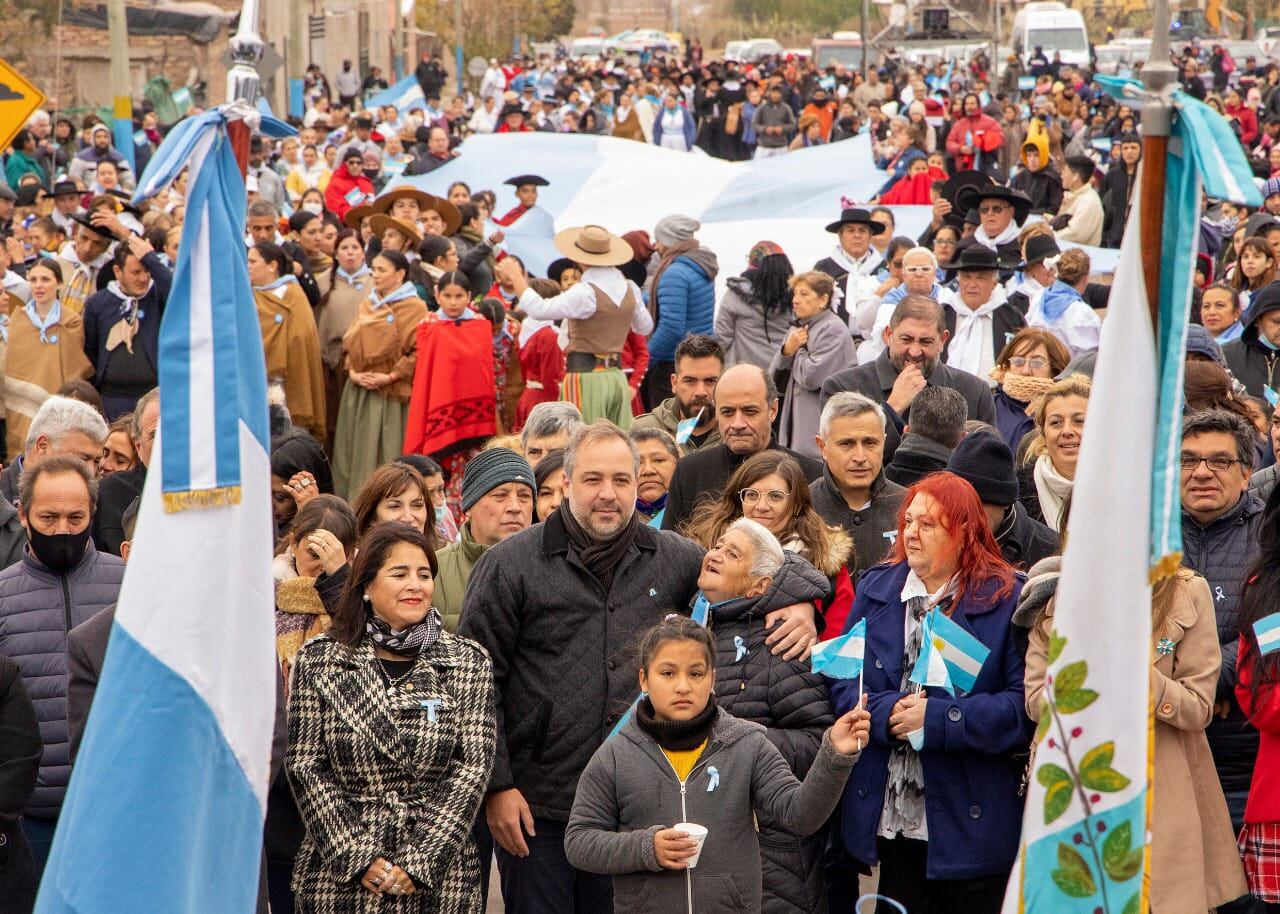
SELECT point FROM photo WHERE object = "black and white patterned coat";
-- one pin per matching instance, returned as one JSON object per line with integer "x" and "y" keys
{"x": 398, "y": 776}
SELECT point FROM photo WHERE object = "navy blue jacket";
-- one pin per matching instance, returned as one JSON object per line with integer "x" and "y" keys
{"x": 972, "y": 744}
{"x": 686, "y": 304}
{"x": 102, "y": 312}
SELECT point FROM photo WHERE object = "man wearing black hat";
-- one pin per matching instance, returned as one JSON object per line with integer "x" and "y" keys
{"x": 526, "y": 193}
{"x": 8, "y": 203}
{"x": 1001, "y": 212}
{"x": 914, "y": 341}
{"x": 66, "y": 203}
{"x": 979, "y": 318}
{"x": 854, "y": 261}
{"x": 82, "y": 261}
{"x": 984, "y": 461}
{"x": 1037, "y": 275}
{"x": 513, "y": 120}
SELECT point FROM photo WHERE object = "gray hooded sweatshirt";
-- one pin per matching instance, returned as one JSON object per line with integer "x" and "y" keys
{"x": 629, "y": 792}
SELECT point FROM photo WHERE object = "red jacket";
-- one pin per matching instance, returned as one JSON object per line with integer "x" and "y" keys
{"x": 982, "y": 132}
{"x": 1247, "y": 118}
{"x": 635, "y": 363}
{"x": 1263, "y": 713}
{"x": 339, "y": 196}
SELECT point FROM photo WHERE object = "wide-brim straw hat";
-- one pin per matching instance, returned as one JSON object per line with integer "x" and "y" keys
{"x": 593, "y": 245}
{"x": 383, "y": 203}
{"x": 380, "y": 222}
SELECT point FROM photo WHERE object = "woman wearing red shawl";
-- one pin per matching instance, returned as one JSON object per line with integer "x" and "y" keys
{"x": 453, "y": 408}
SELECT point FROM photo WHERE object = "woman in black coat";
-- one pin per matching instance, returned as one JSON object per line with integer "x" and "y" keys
{"x": 784, "y": 696}
{"x": 20, "y": 749}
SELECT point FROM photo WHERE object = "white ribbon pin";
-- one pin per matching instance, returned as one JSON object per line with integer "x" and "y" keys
{"x": 713, "y": 778}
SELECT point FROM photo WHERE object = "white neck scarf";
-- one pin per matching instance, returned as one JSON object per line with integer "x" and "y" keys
{"x": 1052, "y": 488}
{"x": 971, "y": 348}
{"x": 864, "y": 266}
{"x": 1009, "y": 234}
{"x": 48, "y": 322}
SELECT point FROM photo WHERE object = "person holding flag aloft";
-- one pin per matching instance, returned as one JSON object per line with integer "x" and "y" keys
{"x": 943, "y": 682}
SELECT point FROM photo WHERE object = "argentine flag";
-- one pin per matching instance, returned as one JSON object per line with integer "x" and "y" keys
{"x": 841, "y": 658}
{"x": 1267, "y": 631}
{"x": 950, "y": 657}
{"x": 166, "y": 802}
{"x": 405, "y": 95}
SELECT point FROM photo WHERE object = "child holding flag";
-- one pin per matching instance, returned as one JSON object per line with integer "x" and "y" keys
{"x": 942, "y": 680}
{"x": 681, "y": 760}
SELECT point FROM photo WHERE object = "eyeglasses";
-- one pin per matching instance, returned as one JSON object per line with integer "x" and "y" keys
{"x": 991, "y": 209}
{"x": 925, "y": 268}
{"x": 776, "y": 497}
{"x": 1035, "y": 363}
{"x": 1219, "y": 463}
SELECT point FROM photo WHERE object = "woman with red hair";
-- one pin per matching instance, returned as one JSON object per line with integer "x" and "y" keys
{"x": 935, "y": 798}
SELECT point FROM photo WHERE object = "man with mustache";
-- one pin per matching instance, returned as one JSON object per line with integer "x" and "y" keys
{"x": 914, "y": 340}
{"x": 699, "y": 362}
{"x": 746, "y": 404}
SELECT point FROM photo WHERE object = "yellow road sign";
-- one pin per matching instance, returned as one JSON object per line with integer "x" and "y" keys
{"x": 19, "y": 99}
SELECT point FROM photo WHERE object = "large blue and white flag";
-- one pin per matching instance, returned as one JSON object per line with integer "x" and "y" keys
{"x": 841, "y": 658}
{"x": 166, "y": 802}
{"x": 625, "y": 185}
{"x": 405, "y": 95}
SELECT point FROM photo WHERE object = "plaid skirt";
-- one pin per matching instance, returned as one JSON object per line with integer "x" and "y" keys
{"x": 1260, "y": 849}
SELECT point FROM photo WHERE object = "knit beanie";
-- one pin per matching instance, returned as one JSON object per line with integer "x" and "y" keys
{"x": 490, "y": 469}
{"x": 986, "y": 463}
{"x": 674, "y": 229}
{"x": 1271, "y": 188}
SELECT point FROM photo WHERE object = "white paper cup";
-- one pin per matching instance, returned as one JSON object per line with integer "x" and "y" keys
{"x": 697, "y": 833}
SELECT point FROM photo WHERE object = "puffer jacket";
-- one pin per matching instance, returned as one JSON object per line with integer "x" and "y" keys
{"x": 37, "y": 609}
{"x": 686, "y": 303}
{"x": 791, "y": 702}
{"x": 1250, "y": 360}
{"x": 746, "y": 331}
{"x": 1222, "y": 552}
{"x": 629, "y": 792}
{"x": 13, "y": 538}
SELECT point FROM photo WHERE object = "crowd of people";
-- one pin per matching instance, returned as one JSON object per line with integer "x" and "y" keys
{"x": 553, "y": 550}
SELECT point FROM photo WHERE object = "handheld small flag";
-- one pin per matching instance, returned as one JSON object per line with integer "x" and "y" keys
{"x": 841, "y": 658}
{"x": 685, "y": 427}
{"x": 1267, "y": 631}
{"x": 961, "y": 653}
{"x": 930, "y": 670}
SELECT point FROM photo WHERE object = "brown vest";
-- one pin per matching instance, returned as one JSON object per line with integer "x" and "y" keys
{"x": 605, "y": 332}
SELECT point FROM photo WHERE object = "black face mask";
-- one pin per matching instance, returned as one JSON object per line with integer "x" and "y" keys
{"x": 59, "y": 552}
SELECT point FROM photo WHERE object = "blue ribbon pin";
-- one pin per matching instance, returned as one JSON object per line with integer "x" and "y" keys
{"x": 740, "y": 646}
{"x": 431, "y": 704}
{"x": 713, "y": 778}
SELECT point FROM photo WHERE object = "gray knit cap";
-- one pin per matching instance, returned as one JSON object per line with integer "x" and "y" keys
{"x": 490, "y": 469}
{"x": 674, "y": 229}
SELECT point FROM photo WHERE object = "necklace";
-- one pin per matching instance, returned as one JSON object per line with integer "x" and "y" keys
{"x": 395, "y": 683}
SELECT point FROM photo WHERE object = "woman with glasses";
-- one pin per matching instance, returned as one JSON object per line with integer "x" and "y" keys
{"x": 944, "y": 246}
{"x": 1024, "y": 371}
{"x": 817, "y": 346}
{"x": 913, "y": 271}
{"x": 1047, "y": 470}
{"x": 935, "y": 799}
{"x": 770, "y": 489}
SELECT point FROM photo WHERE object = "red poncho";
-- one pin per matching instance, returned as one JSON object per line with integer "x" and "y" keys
{"x": 913, "y": 190}
{"x": 453, "y": 386}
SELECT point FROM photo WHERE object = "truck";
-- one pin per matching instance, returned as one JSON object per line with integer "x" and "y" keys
{"x": 1054, "y": 28}
{"x": 841, "y": 48}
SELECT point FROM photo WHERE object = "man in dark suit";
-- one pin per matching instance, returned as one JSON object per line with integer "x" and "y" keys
{"x": 86, "y": 653}
{"x": 746, "y": 404}
{"x": 911, "y": 361}
{"x": 120, "y": 489}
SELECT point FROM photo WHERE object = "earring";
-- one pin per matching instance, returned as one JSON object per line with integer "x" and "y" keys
{"x": 366, "y": 598}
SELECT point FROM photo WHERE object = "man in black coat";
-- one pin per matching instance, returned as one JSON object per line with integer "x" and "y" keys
{"x": 1117, "y": 190}
{"x": 560, "y": 607}
{"x": 746, "y": 403}
{"x": 431, "y": 75}
{"x": 1001, "y": 211}
{"x": 118, "y": 490}
{"x": 984, "y": 460}
{"x": 938, "y": 415}
{"x": 1253, "y": 357}
{"x": 1220, "y": 523}
{"x": 911, "y": 361}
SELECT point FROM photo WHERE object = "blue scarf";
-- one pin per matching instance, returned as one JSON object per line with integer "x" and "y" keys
{"x": 405, "y": 291}
{"x": 282, "y": 281}
{"x": 1057, "y": 299}
{"x": 55, "y": 315}
{"x": 352, "y": 277}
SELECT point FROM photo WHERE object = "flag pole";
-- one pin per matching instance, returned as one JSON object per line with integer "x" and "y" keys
{"x": 242, "y": 78}
{"x": 1159, "y": 76}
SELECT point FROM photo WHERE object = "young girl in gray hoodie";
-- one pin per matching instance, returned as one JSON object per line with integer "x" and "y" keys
{"x": 681, "y": 759}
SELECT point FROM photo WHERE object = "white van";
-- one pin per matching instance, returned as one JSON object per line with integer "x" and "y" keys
{"x": 1052, "y": 27}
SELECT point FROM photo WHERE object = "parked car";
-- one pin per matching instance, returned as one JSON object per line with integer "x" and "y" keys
{"x": 760, "y": 48}
{"x": 613, "y": 44}
{"x": 586, "y": 47}
{"x": 734, "y": 49}
{"x": 651, "y": 40}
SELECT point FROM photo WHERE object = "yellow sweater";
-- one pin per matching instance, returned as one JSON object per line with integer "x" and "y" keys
{"x": 683, "y": 761}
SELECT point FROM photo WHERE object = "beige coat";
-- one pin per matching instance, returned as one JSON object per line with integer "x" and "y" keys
{"x": 1194, "y": 862}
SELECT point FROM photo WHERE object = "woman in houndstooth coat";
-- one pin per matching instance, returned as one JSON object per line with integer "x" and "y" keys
{"x": 391, "y": 742}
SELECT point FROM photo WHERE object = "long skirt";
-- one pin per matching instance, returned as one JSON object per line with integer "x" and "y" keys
{"x": 370, "y": 433}
{"x": 599, "y": 395}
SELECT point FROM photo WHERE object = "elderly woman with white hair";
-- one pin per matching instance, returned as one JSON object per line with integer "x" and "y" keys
{"x": 745, "y": 576}
{"x": 919, "y": 277}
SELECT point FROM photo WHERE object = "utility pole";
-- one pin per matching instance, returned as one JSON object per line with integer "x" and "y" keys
{"x": 458, "y": 44}
{"x": 996, "y": 33}
{"x": 297, "y": 50}
{"x": 866, "y": 48}
{"x": 121, "y": 91}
